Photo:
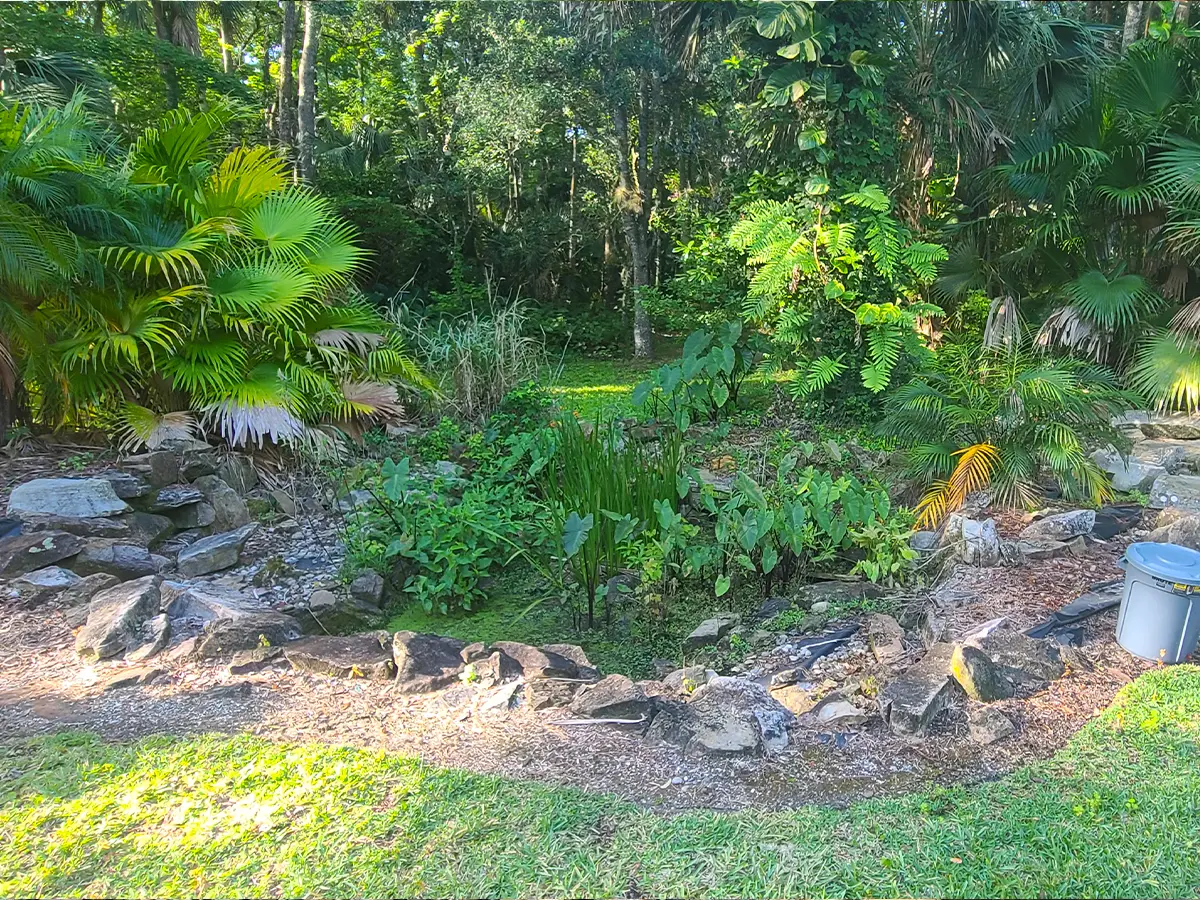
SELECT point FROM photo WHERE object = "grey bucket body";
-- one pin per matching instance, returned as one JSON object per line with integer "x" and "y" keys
{"x": 1160, "y": 606}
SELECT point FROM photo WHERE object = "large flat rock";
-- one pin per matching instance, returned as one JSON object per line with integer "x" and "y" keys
{"x": 366, "y": 656}
{"x": 215, "y": 552}
{"x": 1182, "y": 491}
{"x": 260, "y": 629}
{"x": 75, "y": 497}
{"x": 126, "y": 561}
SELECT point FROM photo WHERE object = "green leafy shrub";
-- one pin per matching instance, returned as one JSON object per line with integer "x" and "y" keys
{"x": 805, "y": 517}
{"x": 706, "y": 382}
{"x": 441, "y": 549}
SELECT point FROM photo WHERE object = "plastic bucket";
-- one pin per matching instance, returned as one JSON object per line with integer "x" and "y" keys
{"x": 1160, "y": 606}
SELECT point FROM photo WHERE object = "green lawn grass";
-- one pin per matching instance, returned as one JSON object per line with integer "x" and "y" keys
{"x": 599, "y": 388}
{"x": 1117, "y": 813}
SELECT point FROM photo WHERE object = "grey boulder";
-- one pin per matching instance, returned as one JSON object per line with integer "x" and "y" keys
{"x": 229, "y": 509}
{"x": 266, "y": 628}
{"x": 1182, "y": 491}
{"x": 711, "y": 630}
{"x": 126, "y": 561}
{"x": 368, "y": 587}
{"x": 614, "y": 697}
{"x": 366, "y": 656}
{"x": 1061, "y": 526}
{"x": 425, "y": 662}
{"x": 910, "y": 702}
{"x": 115, "y": 618}
{"x": 21, "y": 553}
{"x": 215, "y": 552}
{"x": 537, "y": 663}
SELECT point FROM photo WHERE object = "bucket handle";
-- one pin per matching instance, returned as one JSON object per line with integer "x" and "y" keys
{"x": 1122, "y": 563}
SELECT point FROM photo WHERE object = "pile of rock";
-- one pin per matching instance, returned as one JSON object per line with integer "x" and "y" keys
{"x": 188, "y": 495}
{"x": 976, "y": 542}
{"x": 1164, "y": 460}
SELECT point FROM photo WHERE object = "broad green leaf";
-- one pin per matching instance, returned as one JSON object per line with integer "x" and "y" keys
{"x": 683, "y": 486}
{"x": 722, "y": 585}
{"x": 697, "y": 342}
{"x": 642, "y": 392}
{"x": 770, "y": 557}
{"x": 575, "y": 532}
{"x": 811, "y": 138}
{"x": 720, "y": 394}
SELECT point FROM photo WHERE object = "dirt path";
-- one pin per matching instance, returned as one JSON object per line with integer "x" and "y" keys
{"x": 44, "y": 689}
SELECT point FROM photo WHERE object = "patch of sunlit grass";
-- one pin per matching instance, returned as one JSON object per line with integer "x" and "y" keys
{"x": 1116, "y": 813}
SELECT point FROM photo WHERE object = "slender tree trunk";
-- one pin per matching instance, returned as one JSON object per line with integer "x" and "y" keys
{"x": 268, "y": 94}
{"x": 225, "y": 25}
{"x": 162, "y": 30}
{"x": 285, "y": 121}
{"x": 631, "y": 205}
{"x": 1135, "y": 11}
{"x": 307, "y": 96}
{"x": 98, "y": 16}
{"x": 571, "y": 198}
{"x": 1183, "y": 12}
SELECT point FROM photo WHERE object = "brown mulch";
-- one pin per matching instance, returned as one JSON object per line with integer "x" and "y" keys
{"x": 43, "y": 689}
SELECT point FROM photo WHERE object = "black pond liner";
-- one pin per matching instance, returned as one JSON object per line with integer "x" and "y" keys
{"x": 1100, "y": 597}
{"x": 815, "y": 646}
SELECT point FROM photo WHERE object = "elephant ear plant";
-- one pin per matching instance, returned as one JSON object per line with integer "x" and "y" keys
{"x": 600, "y": 489}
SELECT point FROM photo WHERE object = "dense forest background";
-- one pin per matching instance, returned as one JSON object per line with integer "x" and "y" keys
{"x": 855, "y": 181}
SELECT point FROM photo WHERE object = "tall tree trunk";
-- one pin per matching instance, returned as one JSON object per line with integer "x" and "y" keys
{"x": 225, "y": 27}
{"x": 285, "y": 121}
{"x": 1135, "y": 11}
{"x": 162, "y": 30}
{"x": 1183, "y": 12}
{"x": 268, "y": 93}
{"x": 631, "y": 205}
{"x": 307, "y": 95}
{"x": 98, "y": 16}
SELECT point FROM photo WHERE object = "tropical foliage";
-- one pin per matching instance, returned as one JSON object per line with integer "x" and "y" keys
{"x": 192, "y": 280}
{"x": 1005, "y": 420}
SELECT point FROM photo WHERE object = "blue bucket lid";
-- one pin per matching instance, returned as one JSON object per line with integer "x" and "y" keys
{"x": 1169, "y": 561}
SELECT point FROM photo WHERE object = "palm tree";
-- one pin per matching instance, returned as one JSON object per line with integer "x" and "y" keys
{"x": 50, "y": 180}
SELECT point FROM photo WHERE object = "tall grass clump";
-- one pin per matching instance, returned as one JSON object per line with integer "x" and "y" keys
{"x": 477, "y": 357}
{"x": 601, "y": 487}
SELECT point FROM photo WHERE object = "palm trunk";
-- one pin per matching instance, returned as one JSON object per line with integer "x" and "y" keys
{"x": 1135, "y": 11}
{"x": 306, "y": 98}
{"x": 162, "y": 30}
{"x": 98, "y": 16}
{"x": 631, "y": 205}
{"x": 285, "y": 121}
{"x": 1182, "y": 12}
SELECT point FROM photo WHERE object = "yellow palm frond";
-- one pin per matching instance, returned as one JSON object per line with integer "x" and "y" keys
{"x": 972, "y": 473}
